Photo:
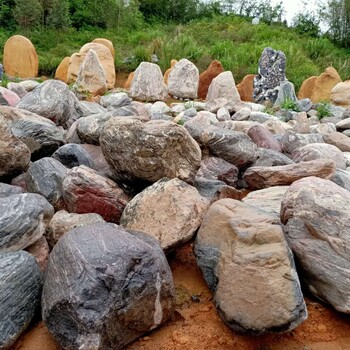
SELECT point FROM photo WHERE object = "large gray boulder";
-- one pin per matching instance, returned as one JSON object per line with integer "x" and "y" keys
{"x": 23, "y": 220}
{"x": 72, "y": 155}
{"x": 149, "y": 151}
{"x": 291, "y": 141}
{"x": 8, "y": 190}
{"x": 183, "y": 80}
{"x": 249, "y": 267}
{"x": 105, "y": 287}
{"x": 316, "y": 216}
{"x": 223, "y": 86}
{"x": 20, "y": 288}
{"x": 53, "y": 100}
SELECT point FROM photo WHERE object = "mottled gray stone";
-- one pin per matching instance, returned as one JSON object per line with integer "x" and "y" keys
{"x": 72, "y": 155}
{"x": 291, "y": 140}
{"x": 20, "y": 288}
{"x": 17, "y": 89}
{"x": 269, "y": 157}
{"x": 342, "y": 179}
{"x": 115, "y": 100}
{"x": 8, "y": 190}
{"x": 285, "y": 93}
{"x": 264, "y": 138}
{"x": 105, "y": 287}
{"x": 89, "y": 108}
{"x": 23, "y": 220}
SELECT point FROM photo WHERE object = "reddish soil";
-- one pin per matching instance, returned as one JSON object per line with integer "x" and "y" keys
{"x": 196, "y": 326}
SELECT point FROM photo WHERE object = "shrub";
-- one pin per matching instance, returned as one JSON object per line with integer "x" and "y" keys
{"x": 290, "y": 105}
{"x": 323, "y": 110}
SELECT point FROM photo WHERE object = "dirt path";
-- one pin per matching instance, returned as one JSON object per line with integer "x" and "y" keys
{"x": 196, "y": 325}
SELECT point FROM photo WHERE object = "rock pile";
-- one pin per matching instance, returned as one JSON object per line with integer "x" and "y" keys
{"x": 96, "y": 193}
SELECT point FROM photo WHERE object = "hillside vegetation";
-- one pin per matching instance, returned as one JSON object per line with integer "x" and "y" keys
{"x": 229, "y": 38}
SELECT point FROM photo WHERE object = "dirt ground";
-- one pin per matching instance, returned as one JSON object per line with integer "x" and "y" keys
{"x": 196, "y": 326}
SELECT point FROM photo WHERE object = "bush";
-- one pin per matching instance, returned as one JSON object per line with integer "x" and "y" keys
{"x": 323, "y": 110}
{"x": 290, "y": 105}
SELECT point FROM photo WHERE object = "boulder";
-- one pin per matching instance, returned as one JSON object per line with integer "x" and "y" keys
{"x": 217, "y": 169}
{"x": 316, "y": 214}
{"x": 264, "y": 138}
{"x": 285, "y": 93}
{"x": 277, "y": 127}
{"x": 20, "y": 57}
{"x": 19, "y": 90}
{"x": 340, "y": 94}
{"x": 249, "y": 267}
{"x": 269, "y": 157}
{"x": 45, "y": 177}
{"x": 20, "y": 287}
{"x": 72, "y": 155}
{"x": 91, "y": 78}
{"x": 7, "y": 97}
{"x": 89, "y": 108}
{"x": 99, "y": 161}
{"x": 271, "y": 73}
{"x": 85, "y": 191}
{"x": 246, "y": 88}
{"x": 326, "y": 128}
{"x": 106, "y": 43}
{"x": 324, "y": 85}
{"x": 205, "y": 79}
{"x": 149, "y": 151}
{"x": 343, "y": 124}
{"x": 170, "y": 211}
{"x": 320, "y": 151}
{"x": 223, "y": 86}
{"x": 41, "y": 251}
{"x": 23, "y": 219}
{"x": 291, "y": 141}
{"x": 183, "y": 80}
{"x": 62, "y": 70}
{"x": 262, "y": 177}
{"x": 168, "y": 71}
{"x": 148, "y": 84}
{"x": 7, "y": 190}
{"x": 14, "y": 154}
{"x": 105, "y": 287}
{"x": 342, "y": 179}
{"x": 307, "y": 88}
{"x": 129, "y": 80}
{"x": 62, "y": 222}
{"x": 53, "y": 100}
{"x": 339, "y": 140}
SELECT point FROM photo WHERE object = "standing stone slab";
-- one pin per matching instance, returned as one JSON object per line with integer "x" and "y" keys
{"x": 286, "y": 93}
{"x": 20, "y": 287}
{"x": 316, "y": 216}
{"x": 272, "y": 71}
{"x": 148, "y": 84}
{"x": 169, "y": 210}
{"x": 23, "y": 220}
{"x": 105, "y": 287}
{"x": 183, "y": 80}
{"x": 248, "y": 265}
{"x": 149, "y": 151}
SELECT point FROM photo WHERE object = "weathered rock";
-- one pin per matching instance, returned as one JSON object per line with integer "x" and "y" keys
{"x": 41, "y": 138}
{"x": 89, "y": 108}
{"x": 340, "y": 94}
{"x": 20, "y": 287}
{"x": 29, "y": 85}
{"x": 99, "y": 161}
{"x": 342, "y": 179}
{"x": 72, "y": 155}
{"x": 272, "y": 71}
{"x": 91, "y": 77}
{"x": 14, "y": 154}
{"x": 324, "y": 85}
{"x": 242, "y": 114}
{"x": 269, "y": 157}
{"x": 264, "y": 138}
{"x": 23, "y": 219}
{"x": 149, "y": 151}
{"x": 291, "y": 141}
{"x": 277, "y": 127}
{"x": 183, "y": 80}
{"x": 115, "y": 100}
{"x": 62, "y": 222}
{"x": 169, "y": 210}
{"x": 307, "y": 88}
{"x": 17, "y": 89}
{"x": 129, "y": 81}
{"x": 105, "y": 287}
{"x": 320, "y": 151}
{"x": 7, "y": 190}
{"x": 243, "y": 255}
{"x": 62, "y": 70}
{"x": 326, "y": 128}
{"x": 85, "y": 191}
{"x": 106, "y": 43}
{"x": 20, "y": 57}
{"x": 343, "y": 124}
{"x": 316, "y": 217}
{"x": 40, "y": 250}
{"x": 267, "y": 199}
{"x": 168, "y": 71}
{"x": 213, "y": 168}
{"x": 205, "y": 79}
{"x": 53, "y": 100}
{"x": 246, "y": 88}
{"x": 263, "y": 177}
{"x": 7, "y": 97}
{"x": 89, "y": 128}
{"x": 339, "y": 140}
{"x": 45, "y": 177}
{"x": 223, "y": 86}
{"x": 285, "y": 93}
{"x": 223, "y": 114}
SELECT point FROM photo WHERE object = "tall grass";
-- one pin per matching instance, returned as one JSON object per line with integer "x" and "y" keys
{"x": 230, "y": 39}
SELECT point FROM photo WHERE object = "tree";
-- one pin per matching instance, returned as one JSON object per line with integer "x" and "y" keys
{"x": 6, "y": 15}
{"x": 27, "y": 13}
{"x": 58, "y": 15}
{"x": 307, "y": 23}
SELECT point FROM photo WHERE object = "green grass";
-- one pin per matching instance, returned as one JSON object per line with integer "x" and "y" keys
{"x": 230, "y": 39}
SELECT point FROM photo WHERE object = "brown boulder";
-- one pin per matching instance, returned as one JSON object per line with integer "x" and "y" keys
{"x": 264, "y": 138}
{"x": 324, "y": 85}
{"x": 20, "y": 57}
{"x": 62, "y": 70}
{"x": 106, "y": 43}
{"x": 340, "y": 94}
{"x": 167, "y": 73}
{"x": 128, "y": 82}
{"x": 246, "y": 88}
{"x": 307, "y": 88}
{"x": 205, "y": 79}
{"x": 339, "y": 140}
